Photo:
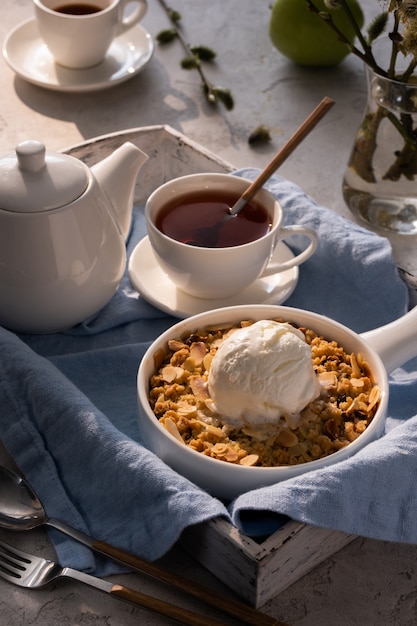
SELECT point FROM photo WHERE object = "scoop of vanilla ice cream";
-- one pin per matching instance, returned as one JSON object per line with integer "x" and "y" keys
{"x": 262, "y": 373}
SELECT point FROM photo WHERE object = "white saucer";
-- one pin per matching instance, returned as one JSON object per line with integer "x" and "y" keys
{"x": 154, "y": 285}
{"x": 28, "y": 56}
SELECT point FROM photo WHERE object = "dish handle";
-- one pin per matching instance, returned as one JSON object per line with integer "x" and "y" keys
{"x": 396, "y": 342}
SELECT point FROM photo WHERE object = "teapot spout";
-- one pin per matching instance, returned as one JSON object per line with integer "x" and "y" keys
{"x": 116, "y": 175}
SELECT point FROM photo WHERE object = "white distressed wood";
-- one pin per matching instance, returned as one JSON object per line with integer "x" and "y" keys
{"x": 171, "y": 154}
{"x": 259, "y": 571}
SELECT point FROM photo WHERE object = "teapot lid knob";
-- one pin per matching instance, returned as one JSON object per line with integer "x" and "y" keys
{"x": 31, "y": 155}
{"x": 34, "y": 180}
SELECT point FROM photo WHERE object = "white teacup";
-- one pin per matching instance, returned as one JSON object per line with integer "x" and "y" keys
{"x": 79, "y": 33}
{"x": 219, "y": 272}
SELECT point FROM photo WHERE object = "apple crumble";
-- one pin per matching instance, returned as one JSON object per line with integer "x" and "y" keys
{"x": 180, "y": 399}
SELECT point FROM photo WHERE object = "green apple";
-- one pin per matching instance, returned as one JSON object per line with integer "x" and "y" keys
{"x": 304, "y": 37}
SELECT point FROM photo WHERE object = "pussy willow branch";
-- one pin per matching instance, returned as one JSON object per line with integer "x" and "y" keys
{"x": 394, "y": 51}
{"x": 366, "y": 56}
{"x": 366, "y": 140}
{"x": 208, "y": 87}
{"x": 365, "y": 45}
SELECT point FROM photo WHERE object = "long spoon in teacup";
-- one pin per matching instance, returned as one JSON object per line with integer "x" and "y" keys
{"x": 208, "y": 236}
{"x": 282, "y": 154}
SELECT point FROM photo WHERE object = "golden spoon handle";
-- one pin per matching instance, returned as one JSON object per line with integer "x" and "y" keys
{"x": 295, "y": 139}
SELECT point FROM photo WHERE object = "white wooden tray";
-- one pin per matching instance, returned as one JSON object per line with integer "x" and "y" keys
{"x": 256, "y": 570}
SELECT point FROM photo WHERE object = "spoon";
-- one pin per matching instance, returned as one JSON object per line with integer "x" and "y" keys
{"x": 21, "y": 509}
{"x": 208, "y": 236}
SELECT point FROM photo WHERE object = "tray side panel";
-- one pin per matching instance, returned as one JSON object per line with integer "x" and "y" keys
{"x": 225, "y": 553}
{"x": 170, "y": 153}
{"x": 259, "y": 572}
{"x": 300, "y": 554}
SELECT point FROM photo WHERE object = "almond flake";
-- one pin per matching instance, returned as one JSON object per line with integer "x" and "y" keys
{"x": 170, "y": 373}
{"x": 171, "y": 427}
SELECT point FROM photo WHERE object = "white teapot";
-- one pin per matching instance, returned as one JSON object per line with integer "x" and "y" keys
{"x": 62, "y": 234}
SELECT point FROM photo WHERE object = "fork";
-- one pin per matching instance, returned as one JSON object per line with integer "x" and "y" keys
{"x": 25, "y": 570}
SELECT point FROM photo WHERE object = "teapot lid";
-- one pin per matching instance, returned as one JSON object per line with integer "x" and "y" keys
{"x": 33, "y": 180}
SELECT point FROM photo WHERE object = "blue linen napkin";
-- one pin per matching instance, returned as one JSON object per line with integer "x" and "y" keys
{"x": 69, "y": 413}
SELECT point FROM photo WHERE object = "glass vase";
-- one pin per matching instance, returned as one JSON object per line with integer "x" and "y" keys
{"x": 380, "y": 182}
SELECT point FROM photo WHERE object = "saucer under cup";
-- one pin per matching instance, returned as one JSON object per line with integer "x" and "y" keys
{"x": 148, "y": 278}
{"x": 29, "y": 57}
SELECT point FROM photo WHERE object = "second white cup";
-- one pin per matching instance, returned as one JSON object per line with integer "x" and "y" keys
{"x": 79, "y": 33}
{"x": 219, "y": 272}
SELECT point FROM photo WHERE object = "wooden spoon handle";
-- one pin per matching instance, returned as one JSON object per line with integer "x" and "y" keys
{"x": 308, "y": 124}
{"x": 161, "y": 607}
{"x": 245, "y": 613}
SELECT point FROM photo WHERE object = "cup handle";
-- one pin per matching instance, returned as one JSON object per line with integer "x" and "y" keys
{"x": 127, "y": 21}
{"x": 275, "y": 268}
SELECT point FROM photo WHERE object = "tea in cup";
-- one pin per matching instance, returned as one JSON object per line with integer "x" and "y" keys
{"x": 79, "y": 33}
{"x": 205, "y": 251}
